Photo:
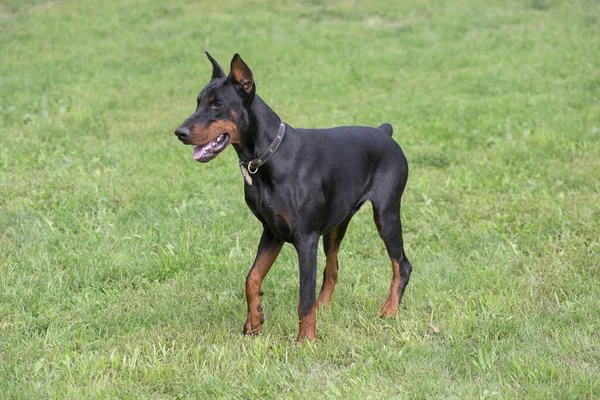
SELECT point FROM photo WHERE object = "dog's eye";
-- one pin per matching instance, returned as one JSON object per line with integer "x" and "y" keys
{"x": 216, "y": 105}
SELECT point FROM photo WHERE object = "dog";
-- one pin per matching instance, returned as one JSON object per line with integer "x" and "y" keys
{"x": 301, "y": 184}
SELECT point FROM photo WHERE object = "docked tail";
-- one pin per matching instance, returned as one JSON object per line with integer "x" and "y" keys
{"x": 387, "y": 128}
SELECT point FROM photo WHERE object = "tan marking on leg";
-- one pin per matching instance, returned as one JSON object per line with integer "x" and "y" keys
{"x": 331, "y": 272}
{"x": 307, "y": 325}
{"x": 259, "y": 270}
{"x": 389, "y": 308}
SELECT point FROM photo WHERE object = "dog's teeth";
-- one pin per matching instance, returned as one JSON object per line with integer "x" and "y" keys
{"x": 220, "y": 138}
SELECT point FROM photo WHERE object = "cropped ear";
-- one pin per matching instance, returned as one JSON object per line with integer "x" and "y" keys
{"x": 217, "y": 70}
{"x": 242, "y": 75}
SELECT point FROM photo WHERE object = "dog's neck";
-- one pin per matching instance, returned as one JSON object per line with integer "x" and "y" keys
{"x": 263, "y": 125}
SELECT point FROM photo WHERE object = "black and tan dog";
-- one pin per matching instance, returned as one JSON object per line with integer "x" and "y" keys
{"x": 301, "y": 184}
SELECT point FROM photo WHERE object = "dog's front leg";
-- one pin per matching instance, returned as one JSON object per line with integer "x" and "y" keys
{"x": 268, "y": 250}
{"x": 307, "y": 305}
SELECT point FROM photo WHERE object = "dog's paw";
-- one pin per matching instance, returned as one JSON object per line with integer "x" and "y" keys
{"x": 389, "y": 309}
{"x": 251, "y": 329}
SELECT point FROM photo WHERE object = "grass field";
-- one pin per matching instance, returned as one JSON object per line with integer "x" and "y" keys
{"x": 123, "y": 261}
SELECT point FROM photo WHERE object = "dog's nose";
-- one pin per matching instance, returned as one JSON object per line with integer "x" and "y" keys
{"x": 182, "y": 132}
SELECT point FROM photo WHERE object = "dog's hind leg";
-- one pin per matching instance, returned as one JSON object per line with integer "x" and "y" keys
{"x": 385, "y": 197}
{"x": 331, "y": 246}
{"x": 390, "y": 229}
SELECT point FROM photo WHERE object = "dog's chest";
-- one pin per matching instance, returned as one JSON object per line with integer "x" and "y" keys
{"x": 271, "y": 211}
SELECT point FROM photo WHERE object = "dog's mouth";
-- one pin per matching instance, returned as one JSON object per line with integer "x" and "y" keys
{"x": 210, "y": 150}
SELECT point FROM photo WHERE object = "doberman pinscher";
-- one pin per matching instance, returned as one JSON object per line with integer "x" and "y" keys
{"x": 301, "y": 184}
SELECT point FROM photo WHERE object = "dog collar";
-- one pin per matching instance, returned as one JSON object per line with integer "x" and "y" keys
{"x": 252, "y": 166}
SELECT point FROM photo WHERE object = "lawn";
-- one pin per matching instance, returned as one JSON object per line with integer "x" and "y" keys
{"x": 123, "y": 261}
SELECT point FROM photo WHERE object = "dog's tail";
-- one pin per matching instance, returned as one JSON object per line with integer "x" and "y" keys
{"x": 387, "y": 128}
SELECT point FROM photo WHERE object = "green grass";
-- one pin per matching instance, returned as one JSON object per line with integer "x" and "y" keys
{"x": 122, "y": 261}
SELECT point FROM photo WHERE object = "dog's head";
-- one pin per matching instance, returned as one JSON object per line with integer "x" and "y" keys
{"x": 221, "y": 111}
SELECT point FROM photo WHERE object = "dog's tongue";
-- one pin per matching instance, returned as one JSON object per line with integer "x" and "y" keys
{"x": 210, "y": 150}
{"x": 200, "y": 151}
